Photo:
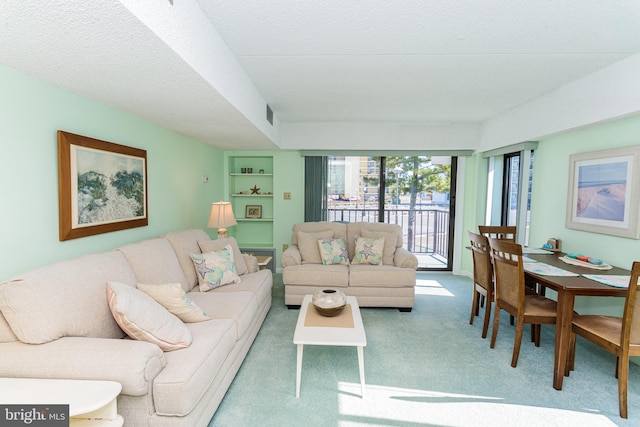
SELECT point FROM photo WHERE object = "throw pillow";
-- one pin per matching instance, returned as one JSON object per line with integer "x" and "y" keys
{"x": 216, "y": 245}
{"x": 215, "y": 269}
{"x": 172, "y": 297}
{"x": 333, "y": 251}
{"x": 144, "y": 319}
{"x": 368, "y": 251}
{"x": 308, "y": 245}
{"x": 390, "y": 242}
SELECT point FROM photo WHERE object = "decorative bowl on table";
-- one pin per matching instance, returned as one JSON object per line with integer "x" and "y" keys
{"x": 329, "y": 302}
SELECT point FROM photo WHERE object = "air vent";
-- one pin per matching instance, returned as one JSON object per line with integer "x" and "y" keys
{"x": 269, "y": 115}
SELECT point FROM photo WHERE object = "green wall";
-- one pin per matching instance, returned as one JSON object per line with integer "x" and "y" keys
{"x": 288, "y": 176}
{"x": 549, "y": 201}
{"x": 31, "y": 112}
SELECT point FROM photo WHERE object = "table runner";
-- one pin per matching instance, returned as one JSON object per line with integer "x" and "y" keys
{"x": 618, "y": 281}
{"x": 543, "y": 269}
{"x": 342, "y": 320}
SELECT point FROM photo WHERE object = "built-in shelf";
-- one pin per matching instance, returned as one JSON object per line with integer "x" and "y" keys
{"x": 252, "y": 232}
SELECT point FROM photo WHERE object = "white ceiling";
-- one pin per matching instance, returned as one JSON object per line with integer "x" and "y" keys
{"x": 330, "y": 61}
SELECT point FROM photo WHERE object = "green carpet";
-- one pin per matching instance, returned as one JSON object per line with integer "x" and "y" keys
{"x": 424, "y": 368}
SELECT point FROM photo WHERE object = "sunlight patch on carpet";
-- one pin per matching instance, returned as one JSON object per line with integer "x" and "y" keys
{"x": 431, "y": 287}
{"x": 395, "y": 406}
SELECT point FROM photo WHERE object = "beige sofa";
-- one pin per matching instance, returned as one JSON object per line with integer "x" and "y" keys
{"x": 56, "y": 323}
{"x": 391, "y": 284}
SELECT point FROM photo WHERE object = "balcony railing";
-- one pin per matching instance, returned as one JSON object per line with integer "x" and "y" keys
{"x": 426, "y": 233}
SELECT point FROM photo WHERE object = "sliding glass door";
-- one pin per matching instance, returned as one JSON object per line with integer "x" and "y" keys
{"x": 415, "y": 192}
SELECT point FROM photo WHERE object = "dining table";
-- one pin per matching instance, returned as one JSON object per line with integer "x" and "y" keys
{"x": 568, "y": 283}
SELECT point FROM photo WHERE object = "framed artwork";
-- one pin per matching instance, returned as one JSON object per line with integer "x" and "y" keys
{"x": 102, "y": 186}
{"x": 603, "y": 192}
{"x": 253, "y": 211}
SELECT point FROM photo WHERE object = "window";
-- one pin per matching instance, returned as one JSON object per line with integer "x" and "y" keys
{"x": 510, "y": 178}
{"x": 413, "y": 192}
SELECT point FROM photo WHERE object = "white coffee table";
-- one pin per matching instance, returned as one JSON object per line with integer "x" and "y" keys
{"x": 91, "y": 403}
{"x": 336, "y": 336}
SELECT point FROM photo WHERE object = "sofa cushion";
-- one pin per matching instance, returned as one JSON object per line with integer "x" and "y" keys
{"x": 259, "y": 283}
{"x": 216, "y": 245}
{"x": 308, "y": 245}
{"x": 317, "y": 275}
{"x": 6, "y": 334}
{"x": 154, "y": 262}
{"x": 190, "y": 372}
{"x": 185, "y": 243}
{"x": 333, "y": 251}
{"x": 339, "y": 229}
{"x": 390, "y": 241}
{"x": 144, "y": 319}
{"x": 356, "y": 229}
{"x": 46, "y": 303}
{"x": 173, "y": 298}
{"x": 241, "y": 307}
{"x": 215, "y": 269}
{"x": 382, "y": 276}
{"x": 368, "y": 251}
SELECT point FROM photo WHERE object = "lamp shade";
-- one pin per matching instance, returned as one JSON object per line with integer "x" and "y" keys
{"x": 221, "y": 217}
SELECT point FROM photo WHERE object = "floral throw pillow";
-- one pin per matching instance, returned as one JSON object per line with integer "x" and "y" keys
{"x": 333, "y": 251}
{"x": 368, "y": 251}
{"x": 215, "y": 269}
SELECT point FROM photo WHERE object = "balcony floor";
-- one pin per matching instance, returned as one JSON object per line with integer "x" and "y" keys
{"x": 431, "y": 261}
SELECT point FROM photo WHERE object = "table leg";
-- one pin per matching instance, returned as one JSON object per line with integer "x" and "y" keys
{"x": 299, "y": 369}
{"x": 361, "y": 368}
{"x": 563, "y": 333}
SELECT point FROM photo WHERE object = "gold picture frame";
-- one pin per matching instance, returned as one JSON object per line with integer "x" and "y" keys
{"x": 253, "y": 212}
{"x": 102, "y": 186}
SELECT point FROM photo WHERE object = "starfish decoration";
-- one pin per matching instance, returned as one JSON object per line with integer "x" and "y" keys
{"x": 255, "y": 190}
{"x": 367, "y": 251}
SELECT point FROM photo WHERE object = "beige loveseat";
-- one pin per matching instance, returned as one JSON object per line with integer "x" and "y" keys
{"x": 391, "y": 284}
{"x": 56, "y": 323}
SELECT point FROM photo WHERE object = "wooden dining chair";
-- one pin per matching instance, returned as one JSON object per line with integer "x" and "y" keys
{"x": 617, "y": 335}
{"x": 501, "y": 232}
{"x": 482, "y": 279}
{"x": 511, "y": 295}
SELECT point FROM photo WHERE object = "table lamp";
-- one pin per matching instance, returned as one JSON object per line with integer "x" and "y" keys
{"x": 221, "y": 217}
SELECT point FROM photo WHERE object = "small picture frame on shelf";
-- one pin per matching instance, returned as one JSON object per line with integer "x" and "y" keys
{"x": 253, "y": 212}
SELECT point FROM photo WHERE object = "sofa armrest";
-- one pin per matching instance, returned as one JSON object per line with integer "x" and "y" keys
{"x": 291, "y": 256}
{"x": 251, "y": 262}
{"x": 405, "y": 259}
{"x": 134, "y": 364}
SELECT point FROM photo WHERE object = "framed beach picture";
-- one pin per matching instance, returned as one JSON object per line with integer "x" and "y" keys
{"x": 603, "y": 192}
{"x": 102, "y": 186}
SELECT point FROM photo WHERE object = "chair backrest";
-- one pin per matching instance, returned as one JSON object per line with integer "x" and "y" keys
{"x": 501, "y": 232}
{"x": 631, "y": 316}
{"x": 509, "y": 272}
{"x": 482, "y": 268}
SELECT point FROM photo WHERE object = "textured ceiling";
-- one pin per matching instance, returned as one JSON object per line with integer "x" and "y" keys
{"x": 396, "y": 61}
{"x": 404, "y": 60}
